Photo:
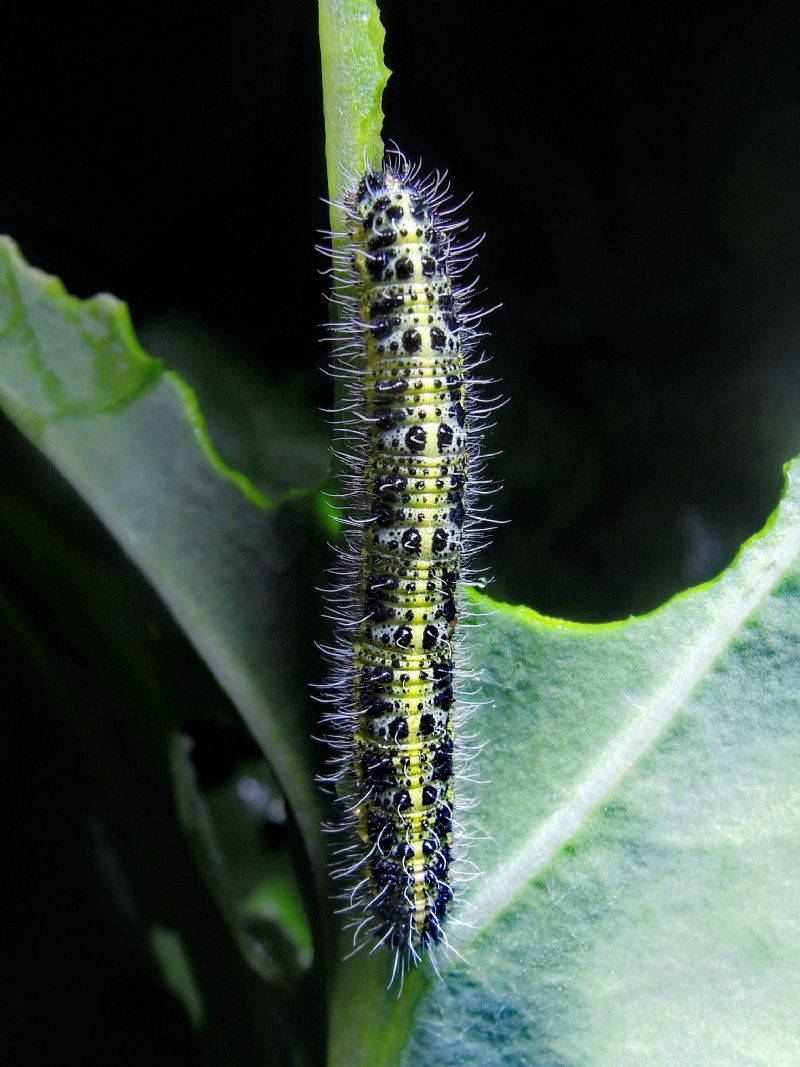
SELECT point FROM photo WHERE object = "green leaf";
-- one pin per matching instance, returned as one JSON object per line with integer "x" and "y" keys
{"x": 641, "y": 819}
{"x": 177, "y": 972}
{"x": 130, "y": 438}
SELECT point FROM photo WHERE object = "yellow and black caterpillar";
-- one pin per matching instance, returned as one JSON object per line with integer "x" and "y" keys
{"x": 410, "y": 431}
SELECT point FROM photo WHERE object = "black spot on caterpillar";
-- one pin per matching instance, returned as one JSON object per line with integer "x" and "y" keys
{"x": 410, "y": 430}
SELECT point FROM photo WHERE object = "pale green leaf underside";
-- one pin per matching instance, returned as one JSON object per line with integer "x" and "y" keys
{"x": 639, "y": 900}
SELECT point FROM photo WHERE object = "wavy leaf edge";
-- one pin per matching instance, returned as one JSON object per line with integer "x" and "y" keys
{"x": 153, "y": 369}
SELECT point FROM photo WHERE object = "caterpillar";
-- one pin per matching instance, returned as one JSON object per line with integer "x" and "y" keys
{"x": 409, "y": 432}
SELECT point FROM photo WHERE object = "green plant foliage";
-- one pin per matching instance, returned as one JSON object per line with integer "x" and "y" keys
{"x": 353, "y": 79}
{"x": 642, "y": 817}
{"x": 638, "y": 802}
{"x": 107, "y": 404}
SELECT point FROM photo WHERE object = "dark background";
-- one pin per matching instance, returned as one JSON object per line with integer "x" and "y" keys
{"x": 637, "y": 173}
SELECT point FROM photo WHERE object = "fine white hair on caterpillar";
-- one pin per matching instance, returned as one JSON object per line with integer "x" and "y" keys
{"x": 409, "y": 429}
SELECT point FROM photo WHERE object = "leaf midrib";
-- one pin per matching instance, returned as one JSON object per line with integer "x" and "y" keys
{"x": 499, "y": 888}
